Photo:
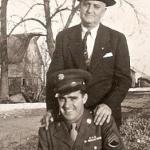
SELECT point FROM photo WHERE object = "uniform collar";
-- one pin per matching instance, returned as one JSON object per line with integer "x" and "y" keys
{"x": 78, "y": 122}
{"x": 61, "y": 131}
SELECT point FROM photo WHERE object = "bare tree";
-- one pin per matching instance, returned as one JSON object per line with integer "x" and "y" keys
{"x": 49, "y": 36}
{"x": 4, "y": 56}
{"x": 139, "y": 16}
{"x": 47, "y": 26}
{"x": 73, "y": 12}
{"x": 48, "y": 17}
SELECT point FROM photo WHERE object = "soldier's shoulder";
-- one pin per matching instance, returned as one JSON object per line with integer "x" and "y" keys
{"x": 89, "y": 117}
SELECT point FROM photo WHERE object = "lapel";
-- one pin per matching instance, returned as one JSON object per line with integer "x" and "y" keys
{"x": 61, "y": 133}
{"x": 100, "y": 47}
{"x": 75, "y": 47}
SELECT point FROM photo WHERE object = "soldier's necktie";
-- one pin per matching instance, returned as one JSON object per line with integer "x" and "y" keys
{"x": 87, "y": 60}
{"x": 73, "y": 132}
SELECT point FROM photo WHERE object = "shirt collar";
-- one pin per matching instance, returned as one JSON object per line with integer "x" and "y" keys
{"x": 93, "y": 31}
{"x": 68, "y": 124}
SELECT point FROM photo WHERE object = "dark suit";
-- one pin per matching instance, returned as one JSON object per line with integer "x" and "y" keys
{"x": 110, "y": 66}
{"x": 89, "y": 136}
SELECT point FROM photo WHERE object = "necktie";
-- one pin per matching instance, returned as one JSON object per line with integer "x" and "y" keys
{"x": 87, "y": 60}
{"x": 73, "y": 132}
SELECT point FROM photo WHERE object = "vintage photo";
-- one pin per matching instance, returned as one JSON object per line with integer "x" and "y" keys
{"x": 74, "y": 74}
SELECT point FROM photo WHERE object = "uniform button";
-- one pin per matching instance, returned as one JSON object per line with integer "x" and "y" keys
{"x": 85, "y": 141}
{"x": 102, "y": 48}
{"x": 95, "y": 147}
{"x": 89, "y": 121}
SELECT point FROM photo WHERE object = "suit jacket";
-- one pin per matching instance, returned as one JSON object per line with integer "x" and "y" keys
{"x": 89, "y": 136}
{"x": 110, "y": 66}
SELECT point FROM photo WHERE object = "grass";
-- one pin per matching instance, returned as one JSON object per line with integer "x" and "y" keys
{"x": 135, "y": 131}
{"x": 31, "y": 144}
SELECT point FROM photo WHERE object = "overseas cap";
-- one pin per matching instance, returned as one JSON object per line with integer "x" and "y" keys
{"x": 69, "y": 80}
{"x": 107, "y": 2}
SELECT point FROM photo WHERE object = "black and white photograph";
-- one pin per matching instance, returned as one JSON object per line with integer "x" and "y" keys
{"x": 74, "y": 75}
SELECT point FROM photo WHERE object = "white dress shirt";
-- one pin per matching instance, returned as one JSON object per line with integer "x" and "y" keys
{"x": 90, "y": 39}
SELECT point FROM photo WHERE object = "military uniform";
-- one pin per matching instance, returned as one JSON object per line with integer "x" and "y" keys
{"x": 90, "y": 136}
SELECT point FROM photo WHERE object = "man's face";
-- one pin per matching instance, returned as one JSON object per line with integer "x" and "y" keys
{"x": 72, "y": 105}
{"x": 91, "y": 12}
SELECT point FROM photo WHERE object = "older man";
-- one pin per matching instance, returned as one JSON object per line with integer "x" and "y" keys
{"x": 101, "y": 51}
{"x": 74, "y": 127}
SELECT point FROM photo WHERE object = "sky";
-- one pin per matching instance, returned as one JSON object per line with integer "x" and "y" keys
{"x": 120, "y": 17}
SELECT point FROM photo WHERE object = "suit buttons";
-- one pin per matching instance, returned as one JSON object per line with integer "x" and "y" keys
{"x": 95, "y": 147}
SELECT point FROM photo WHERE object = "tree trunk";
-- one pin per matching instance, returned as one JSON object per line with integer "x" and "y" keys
{"x": 73, "y": 12}
{"x": 49, "y": 36}
{"x": 4, "y": 93}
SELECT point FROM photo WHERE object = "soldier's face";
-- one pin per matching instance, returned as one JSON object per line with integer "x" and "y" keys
{"x": 72, "y": 105}
{"x": 91, "y": 11}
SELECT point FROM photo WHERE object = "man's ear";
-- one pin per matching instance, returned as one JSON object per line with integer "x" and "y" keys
{"x": 85, "y": 97}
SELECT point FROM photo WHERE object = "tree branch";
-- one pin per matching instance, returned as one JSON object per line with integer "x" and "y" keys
{"x": 57, "y": 11}
{"x": 134, "y": 9}
{"x": 37, "y": 4}
{"x": 60, "y": 12}
{"x": 24, "y": 20}
{"x": 74, "y": 10}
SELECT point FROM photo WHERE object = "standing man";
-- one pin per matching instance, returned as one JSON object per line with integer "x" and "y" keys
{"x": 74, "y": 128}
{"x": 100, "y": 50}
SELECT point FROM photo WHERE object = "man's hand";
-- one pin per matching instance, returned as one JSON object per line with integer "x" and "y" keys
{"x": 102, "y": 113}
{"x": 46, "y": 119}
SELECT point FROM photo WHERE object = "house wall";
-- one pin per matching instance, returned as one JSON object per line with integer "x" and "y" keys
{"x": 33, "y": 59}
{"x": 133, "y": 78}
{"x": 25, "y": 76}
{"x": 15, "y": 70}
{"x": 143, "y": 83}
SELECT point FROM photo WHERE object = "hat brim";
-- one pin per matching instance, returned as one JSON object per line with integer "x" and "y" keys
{"x": 107, "y": 2}
{"x": 66, "y": 90}
{"x": 73, "y": 79}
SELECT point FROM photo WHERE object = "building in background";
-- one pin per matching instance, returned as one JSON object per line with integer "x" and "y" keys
{"x": 25, "y": 66}
{"x": 139, "y": 78}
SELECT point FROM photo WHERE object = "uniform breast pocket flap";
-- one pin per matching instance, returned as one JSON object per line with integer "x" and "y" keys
{"x": 93, "y": 143}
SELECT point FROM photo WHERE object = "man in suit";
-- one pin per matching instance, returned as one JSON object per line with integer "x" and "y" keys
{"x": 105, "y": 56}
{"x": 74, "y": 127}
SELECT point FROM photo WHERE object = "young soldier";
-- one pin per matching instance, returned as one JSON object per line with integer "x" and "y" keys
{"x": 74, "y": 127}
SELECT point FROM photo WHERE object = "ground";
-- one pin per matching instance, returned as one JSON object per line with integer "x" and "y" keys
{"x": 19, "y": 129}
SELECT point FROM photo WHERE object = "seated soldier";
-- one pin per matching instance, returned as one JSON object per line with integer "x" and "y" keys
{"x": 74, "y": 127}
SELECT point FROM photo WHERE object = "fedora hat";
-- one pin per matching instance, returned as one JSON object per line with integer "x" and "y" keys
{"x": 107, "y": 2}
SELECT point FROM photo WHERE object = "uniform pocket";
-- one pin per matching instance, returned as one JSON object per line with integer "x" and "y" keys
{"x": 93, "y": 145}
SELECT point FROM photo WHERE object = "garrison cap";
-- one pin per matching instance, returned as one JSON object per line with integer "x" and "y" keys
{"x": 69, "y": 80}
{"x": 107, "y": 2}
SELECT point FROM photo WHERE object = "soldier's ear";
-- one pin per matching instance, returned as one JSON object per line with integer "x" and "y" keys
{"x": 85, "y": 97}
